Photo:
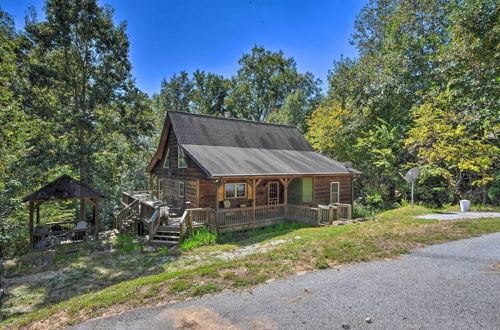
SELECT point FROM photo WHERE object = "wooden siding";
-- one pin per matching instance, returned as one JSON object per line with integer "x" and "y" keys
{"x": 191, "y": 171}
{"x": 321, "y": 186}
{"x": 170, "y": 189}
{"x": 206, "y": 195}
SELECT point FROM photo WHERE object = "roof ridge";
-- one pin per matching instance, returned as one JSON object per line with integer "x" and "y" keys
{"x": 231, "y": 119}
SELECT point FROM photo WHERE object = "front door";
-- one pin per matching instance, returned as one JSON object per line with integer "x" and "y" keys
{"x": 273, "y": 193}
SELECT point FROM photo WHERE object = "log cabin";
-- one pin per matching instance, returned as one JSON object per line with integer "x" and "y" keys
{"x": 233, "y": 174}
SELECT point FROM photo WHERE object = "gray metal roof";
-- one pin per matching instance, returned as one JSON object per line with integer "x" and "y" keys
{"x": 232, "y": 161}
{"x": 219, "y": 131}
{"x": 235, "y": 147}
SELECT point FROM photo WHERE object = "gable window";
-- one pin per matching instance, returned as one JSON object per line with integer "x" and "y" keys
{"x": 235, "y": 190}
{"x": 166, "y": 163}
{"x": 181, "y": 159}
{"x": 334, "y": 192}
{"x": 181, "y": 189}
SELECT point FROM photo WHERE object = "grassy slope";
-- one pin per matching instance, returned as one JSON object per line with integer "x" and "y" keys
{"x": 306, "y": 249}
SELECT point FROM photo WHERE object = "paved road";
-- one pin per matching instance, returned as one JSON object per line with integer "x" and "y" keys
{"x": 448, "y": 286}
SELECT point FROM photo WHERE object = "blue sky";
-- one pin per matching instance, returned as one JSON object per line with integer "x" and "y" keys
{"x": 169, "y": 36}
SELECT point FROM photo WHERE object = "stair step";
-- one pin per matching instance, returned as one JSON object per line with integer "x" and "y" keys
{"x": 166, "y": 236}
{"x": 168, "y": 232}
{"x": 170, "y": 243}
{"x": 170, "y": 227}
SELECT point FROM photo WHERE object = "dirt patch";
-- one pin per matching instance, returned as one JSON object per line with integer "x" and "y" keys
{"x": 198, "y": 318}
{"x": 494, "y": 269}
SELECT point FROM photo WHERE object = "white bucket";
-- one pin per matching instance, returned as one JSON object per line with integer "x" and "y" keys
{"x": 464, "y": 205}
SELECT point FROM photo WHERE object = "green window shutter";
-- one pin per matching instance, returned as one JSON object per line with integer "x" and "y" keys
{"x": 307, "y": 190}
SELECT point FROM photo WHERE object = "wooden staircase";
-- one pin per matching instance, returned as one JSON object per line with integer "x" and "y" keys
{"x": 127, "y": 218}
{"x": 167, "y": 235}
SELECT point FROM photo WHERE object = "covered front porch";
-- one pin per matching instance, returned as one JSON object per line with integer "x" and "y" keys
{"x": 237, "y": 204}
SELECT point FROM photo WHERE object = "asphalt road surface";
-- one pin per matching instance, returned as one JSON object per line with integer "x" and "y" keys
{"x": 449, "y": 286}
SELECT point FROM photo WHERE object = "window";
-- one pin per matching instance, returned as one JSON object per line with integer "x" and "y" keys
{"x": 334, "y": 192}
{"x": 166, "y": 163}
{"x": 181, "y": 160}
{"x": 235, "y": 190}
{"x": 181, "y": 189}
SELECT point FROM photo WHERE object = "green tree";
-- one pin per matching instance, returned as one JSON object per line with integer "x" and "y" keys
{"x": 296, "y": 109}
{"x": 176, "y": 93}
{"x": 263, "y": 83}
{"x": 209, "y": 92}
{"x": 446, "y": 148}
{"x": 80, "y": 81}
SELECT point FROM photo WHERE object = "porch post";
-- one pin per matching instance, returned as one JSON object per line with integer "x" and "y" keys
{"x": 254, "y": 202}
{"x": 31, "y": 206}
{"x": 216, "y": 204}
{"x": 285, "y": 195}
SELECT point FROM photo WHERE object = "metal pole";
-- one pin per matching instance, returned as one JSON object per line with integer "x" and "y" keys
{"x": 412, "y": 183}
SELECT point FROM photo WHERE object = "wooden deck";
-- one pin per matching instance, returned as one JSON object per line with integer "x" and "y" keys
{"x": 140, "y": 208}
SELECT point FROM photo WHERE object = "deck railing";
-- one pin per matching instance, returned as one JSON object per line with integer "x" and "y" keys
{"x": 234, "y": 217}
{"x": 128, "y": 211}
{"x": 305, "y": 214}
{"x": 269, "y": 212}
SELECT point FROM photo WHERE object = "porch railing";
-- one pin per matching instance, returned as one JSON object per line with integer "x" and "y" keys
{"x": 234, "y": 217}
{"x": 269, "y": 212}
{"x": 305, "y": 214}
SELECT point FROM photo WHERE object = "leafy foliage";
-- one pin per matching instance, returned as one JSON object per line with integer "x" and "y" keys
{"x": 424, "y": 91}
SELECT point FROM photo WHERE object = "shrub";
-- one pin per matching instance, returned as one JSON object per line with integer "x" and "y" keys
{"x": 125, "y": 244}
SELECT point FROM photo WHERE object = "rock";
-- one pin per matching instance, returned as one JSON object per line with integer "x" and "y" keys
{"x": 48, "y": 259}
{"x": 346, "y": 326}
{"x": 136, "y": 251}
{"x": 1, "y": 294}
{"x": 38, "y": 261}
{"x": 368, "y": 320}
{"x": 150, "y": 249}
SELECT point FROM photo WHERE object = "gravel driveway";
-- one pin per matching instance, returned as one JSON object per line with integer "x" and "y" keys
{"x": 459, "y": 215}
{"x": 449, "y": 286}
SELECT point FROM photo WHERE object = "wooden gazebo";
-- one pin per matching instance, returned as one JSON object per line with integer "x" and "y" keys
{"x": 63, "y": 188}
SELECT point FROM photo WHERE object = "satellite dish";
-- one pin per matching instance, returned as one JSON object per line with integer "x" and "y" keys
{"x": 348, "y": 164}
{"x": 412, "y": 174}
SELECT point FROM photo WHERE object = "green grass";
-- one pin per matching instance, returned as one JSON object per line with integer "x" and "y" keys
{"x": 126, "y": 244}
{"x": 200, "y": 237}
{"x": 303, "y": 249}
{"x": 179, "y": 286}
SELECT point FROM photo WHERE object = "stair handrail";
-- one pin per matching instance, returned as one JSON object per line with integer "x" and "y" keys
{"x": 182, "y": 223}
{"x": 154, "y": 223}
{"x": 118, "y": 218}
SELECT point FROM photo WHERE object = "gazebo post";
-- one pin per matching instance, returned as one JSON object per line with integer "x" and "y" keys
{"x": 96, "y": 218}
{"x": 82, "y": 209}
{"x": 31, "y": 224}
{"x": 38, "y": 213}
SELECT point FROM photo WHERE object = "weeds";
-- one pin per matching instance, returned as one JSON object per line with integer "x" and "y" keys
{"x": 125, "y": 244}
{"x": 201, "y": 237}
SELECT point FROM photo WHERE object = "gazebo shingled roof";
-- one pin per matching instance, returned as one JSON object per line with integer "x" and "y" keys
{"x": 63, "y": 188}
